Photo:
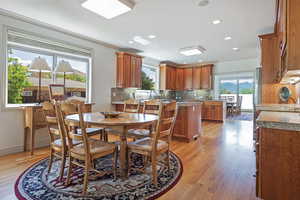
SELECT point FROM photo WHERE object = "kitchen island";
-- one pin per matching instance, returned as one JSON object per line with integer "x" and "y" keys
{"x": 188, "y": 121}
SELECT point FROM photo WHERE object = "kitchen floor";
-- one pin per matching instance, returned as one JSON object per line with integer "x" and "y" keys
{"x": 218, "y": 166}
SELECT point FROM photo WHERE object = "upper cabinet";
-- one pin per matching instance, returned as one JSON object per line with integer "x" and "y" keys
{"x": 129, "y": 70}
{"x": 188, "y": 78}
{"x": 179, "y": 78}
{"x": 291, "y": 30}
{"x": 280, "y": 50}
{"x": 167, "y": 77}
{"x": 197, "y": 78}
{"x": 206, "y": 77}
{"x": 191, "y": 78}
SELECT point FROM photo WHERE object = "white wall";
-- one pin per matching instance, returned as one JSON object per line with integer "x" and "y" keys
{"x": 103, "y": 79}
{"x": 238, "y": 66}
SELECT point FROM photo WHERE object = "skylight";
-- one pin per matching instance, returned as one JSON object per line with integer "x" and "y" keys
{"x": 191, "y": 51}
{"x": 108, "y": 8}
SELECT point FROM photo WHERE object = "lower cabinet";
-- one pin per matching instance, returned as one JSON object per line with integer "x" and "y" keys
{"x": 278, "y": 167}
{"x": 214, "y": 110}
{"x": 188, "y": 123}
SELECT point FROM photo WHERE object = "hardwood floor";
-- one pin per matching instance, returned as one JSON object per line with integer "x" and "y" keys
{"x": 218, "y": 166}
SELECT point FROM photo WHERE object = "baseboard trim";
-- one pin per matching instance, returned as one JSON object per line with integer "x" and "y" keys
{"x": 20, "y": 148}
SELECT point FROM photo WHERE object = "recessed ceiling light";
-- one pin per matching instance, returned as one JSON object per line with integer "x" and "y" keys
{"x": 141, "y": 40}
{"x": 191, "y": 51}
{"x": 200, "y": 61}
{"x": 228, "y": 38}
{"x": 130, "y": 42}
{"x": 108, "y": 8}
{"x": 217, "y": 21}
{"x": 235, "y": 49}
{"x": 151, "y": 36}
{"x": 203, "y": 3}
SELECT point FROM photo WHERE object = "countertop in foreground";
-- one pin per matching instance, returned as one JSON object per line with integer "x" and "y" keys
{"x": 279, "y": 120}
{"x": 278, "y": 107}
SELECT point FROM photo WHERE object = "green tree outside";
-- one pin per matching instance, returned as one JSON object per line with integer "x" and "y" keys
{"x": 73, "y": 77}
{"x": 147, "y": 83}
{"x": 17, "y": 80}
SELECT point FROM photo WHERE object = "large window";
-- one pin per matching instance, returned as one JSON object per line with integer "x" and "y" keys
{"x": 23, "y": 84}
{"x": 231, "y": 88}
{"x": 150, "y": 77}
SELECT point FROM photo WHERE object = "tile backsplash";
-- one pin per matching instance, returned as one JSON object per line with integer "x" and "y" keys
{"x": 121, "y": 94}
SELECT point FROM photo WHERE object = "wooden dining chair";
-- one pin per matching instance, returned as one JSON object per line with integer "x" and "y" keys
{"x": 131, "y": 106}
{"x": 151, "y": 148}
{"x": 70, "y": 109}
{"x": 89, "y": 150}
{"x": 149, "y": 107}
{"x": 58, "y": 147}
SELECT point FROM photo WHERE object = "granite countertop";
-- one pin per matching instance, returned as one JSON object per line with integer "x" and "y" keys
{"x": 279, "y": 120}
{"x": 278, "y": 107}
{"x": 184, "y": 103}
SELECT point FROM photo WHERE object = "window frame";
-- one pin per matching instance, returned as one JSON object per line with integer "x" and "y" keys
{"x": 157, "y": 69}
{"x": 55, "y": 54}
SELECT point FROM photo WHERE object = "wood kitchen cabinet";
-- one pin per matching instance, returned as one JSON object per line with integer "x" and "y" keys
{"x": 179, "y": 78}
{"x": 206, "y": 77}
{"x": 197, "y": 78}
{"x": 214, "y": 111}
{"x": 191, "y": 78}
{"x": 167, "y": 77}
{"x": 188, "y": 122}
{"x": 128, "y": 70}
{"x": 278, "y": 171}
{"x": 188, "y": 78}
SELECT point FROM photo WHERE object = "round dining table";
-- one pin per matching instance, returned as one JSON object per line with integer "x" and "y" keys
{"x": 123, "y": 123}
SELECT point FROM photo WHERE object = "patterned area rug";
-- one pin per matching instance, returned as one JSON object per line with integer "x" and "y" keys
{"x": 246, "y": 116}
{"x": 35, "y": 183}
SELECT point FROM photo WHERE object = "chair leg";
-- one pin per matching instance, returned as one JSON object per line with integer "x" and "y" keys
{"x": 62, "y": 167}
{"x": 51, "y": 160}
{"x": 69, "y": 171}
{"x": 129, "y": 162}
{"x": 154, "y": 170}
{"x": 86, "y": 177}
{"x": 168, "y": 160}
{"x": 115, "y": 163}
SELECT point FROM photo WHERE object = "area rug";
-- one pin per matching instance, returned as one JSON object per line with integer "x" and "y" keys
{"x": 245, "y": 116}
{"x": 36, "y": 184}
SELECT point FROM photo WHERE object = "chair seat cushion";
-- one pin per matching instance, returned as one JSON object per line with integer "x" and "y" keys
{"x": 90, "y": 131}
{"x": 96, "y": 147}
{"x": 145, "y": 144}
{"x": 139, "y": 132}
{"x": 58, "y": 142}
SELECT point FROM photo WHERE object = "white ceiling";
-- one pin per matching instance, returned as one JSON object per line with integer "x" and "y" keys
{"x": 176, "y": 23}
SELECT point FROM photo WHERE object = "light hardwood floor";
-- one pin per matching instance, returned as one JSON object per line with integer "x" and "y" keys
{"x": 218, "y": 166}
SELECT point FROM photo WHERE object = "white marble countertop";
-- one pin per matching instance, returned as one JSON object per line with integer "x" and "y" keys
{"x": 279, "y": 120}
{"x": 278, "y": 107}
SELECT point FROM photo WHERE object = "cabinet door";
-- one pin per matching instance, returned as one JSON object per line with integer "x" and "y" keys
{"x": 138, "y": 71}
{"x": 179, "y": 79}
{"x": 188, "y": 78}
{"x": 206, "y": 77}
{"x": 196, "y": 78}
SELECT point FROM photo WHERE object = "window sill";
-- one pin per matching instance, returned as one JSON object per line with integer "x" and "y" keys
{"x": 20, "y": 106}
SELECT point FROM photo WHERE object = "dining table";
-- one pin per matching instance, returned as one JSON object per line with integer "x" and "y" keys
{"x": 122, "y": 123}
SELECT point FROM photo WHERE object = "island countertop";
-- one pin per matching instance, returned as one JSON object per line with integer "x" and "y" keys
{"x": 279, "y": 120}
{"x": 184, "y": 103}
{"x": 278, "y": 107}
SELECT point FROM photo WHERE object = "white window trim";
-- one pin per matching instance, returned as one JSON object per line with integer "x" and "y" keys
{"x": 157, "y": 74}
{"x": 4, "y": 72}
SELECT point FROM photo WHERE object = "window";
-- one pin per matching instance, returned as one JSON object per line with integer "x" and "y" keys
{"x": 23, "y": 84}
{"x": 231, "y": 88}
{"x": 150, "y": 77}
